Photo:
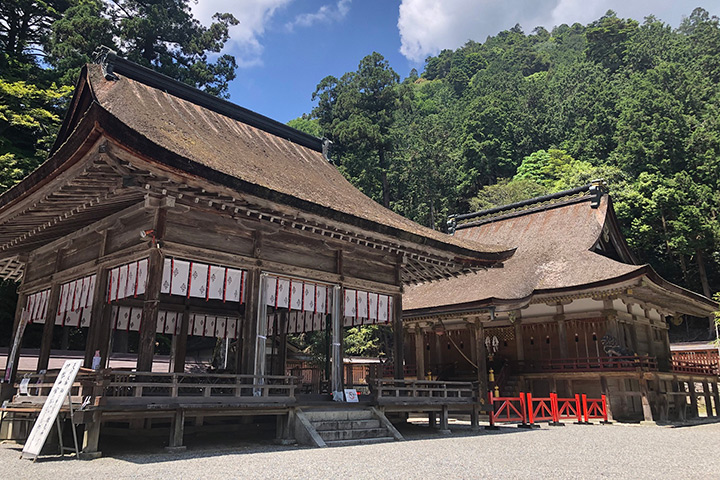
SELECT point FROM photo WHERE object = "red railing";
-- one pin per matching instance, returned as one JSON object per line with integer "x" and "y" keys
{"x": 540, "y": 409}
{"x": 617, "y": 364}
{"x": 507, "y": 409}
{"x": 527, "y": 410}
{"x": 595, "y": 408}
{"x": 568, "y": 408}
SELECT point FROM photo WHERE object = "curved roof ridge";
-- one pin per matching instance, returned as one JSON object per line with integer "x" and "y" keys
{"x": 592, "y": 191}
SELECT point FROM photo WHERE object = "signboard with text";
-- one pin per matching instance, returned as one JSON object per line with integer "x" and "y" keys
{"x": 51, "y": 409}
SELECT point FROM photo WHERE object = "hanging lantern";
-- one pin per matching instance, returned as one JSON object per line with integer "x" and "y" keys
{"x": 448, "y": 345}
{"x": 594, "y": 337}
{"x": 462, "y": 345}
{"x": 427, "y": 347}
{"x": 577, "y": 338}
{"x": 547, "y": 339}
{"x": 532, "y": 340}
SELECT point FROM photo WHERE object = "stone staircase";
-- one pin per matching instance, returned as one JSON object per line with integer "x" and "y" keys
{"x": 339, "y": 427}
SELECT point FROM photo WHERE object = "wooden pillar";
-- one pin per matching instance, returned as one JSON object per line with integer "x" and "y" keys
{"x": 336, "y": 361}
{"x": 261, "y": 329}
{"x": 282, "y": 348}
{"x": 91, "y": 437}
{"x": 693, "y": 398}
{"x": 420, "y": 353}
{"x": 180, "y": 341}
{"x": 716, "y": 397}
{"x": 708, "y": 399}
{"x": 177, "y": 431}
{"x": 46, "y": 342}
{"x": 444, "y": 428}
{"x": 519, "y": 342}
{"x": 650, "y": 340}
{"x": 399, "y": 337}
{"x": 647, "y": 410}
{"x": 482, "y": 376}
{"x": 97, "y": 334}
{"x": 151, "y": 304}
{"x": 245, "y": 358}
{"x": 562, "y": 336}
{"x": 17, "y": 331}
{"x": 605, "y": 391}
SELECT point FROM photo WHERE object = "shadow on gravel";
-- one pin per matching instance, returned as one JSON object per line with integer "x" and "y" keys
{"x": 144, "y": 448}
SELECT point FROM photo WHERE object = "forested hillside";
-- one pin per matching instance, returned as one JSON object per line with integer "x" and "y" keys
{"x": 498, "y": 120}
{"x": 523, "y": 114}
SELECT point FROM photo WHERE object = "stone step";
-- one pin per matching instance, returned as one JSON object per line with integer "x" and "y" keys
{"x": 338, "y": 415}
{"x": 358, "y": 441}
{"x": 354, "y": 434}
{"x": 344, "y": 424}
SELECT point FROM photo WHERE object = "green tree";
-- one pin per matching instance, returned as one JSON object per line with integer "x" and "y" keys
{"x": 356, "y": 112}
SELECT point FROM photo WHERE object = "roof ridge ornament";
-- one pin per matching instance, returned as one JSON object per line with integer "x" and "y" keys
{"x": 100, "y": 56}
{"x": 327, "y": 148}
{"x": 597, "y": 188}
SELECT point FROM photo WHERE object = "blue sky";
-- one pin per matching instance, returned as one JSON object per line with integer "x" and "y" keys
{"x": 285, "y": 47}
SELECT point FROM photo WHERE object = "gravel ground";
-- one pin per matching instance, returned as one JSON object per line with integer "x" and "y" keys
{"x": 573, "y": 451}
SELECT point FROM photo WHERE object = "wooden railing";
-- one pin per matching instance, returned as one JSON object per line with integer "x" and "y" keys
{"x": 38, "y": 385}
{"x": 584, "y": 364}
{"x": 686, "y": 366}
{"x": 422, "y": 391}
{"x": 388, "y": 370}
{"x": 197, "y": 387}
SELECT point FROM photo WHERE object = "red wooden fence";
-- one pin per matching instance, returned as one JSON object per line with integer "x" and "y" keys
{"x": 528, "y": 410}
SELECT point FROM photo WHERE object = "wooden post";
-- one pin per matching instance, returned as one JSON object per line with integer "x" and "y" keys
{"x": 91, "y": 437}
{"x": 606, "y": 391}
{"x": 282, "y": 350}
{"x": 151, "y": 304}
{"x": 647, "y": 410}
{"x": 482, "y": 376}
{"x": 444, "y": 427}
{"x": 180, "y": 340}
{"x": 97, "y": 336}
{"x": 336, "y": 376}
{"x": 562, "y": 336}
{"x": 246, "y": 345}
{"x": 693, "y": 397}
{"x": 261, "y": 329}
{"x": 420, "y": 353}
{"x": 520, "y": 344}
{"x": 46, "y": 342}
{"x": 680, "y": 401}
{"x": 716, "y": 397}
{"x": 399, "y": 338}
{"x": 22, "y": 298}
{"x": 177, "y": 431}
{"x": 708, "y": 399}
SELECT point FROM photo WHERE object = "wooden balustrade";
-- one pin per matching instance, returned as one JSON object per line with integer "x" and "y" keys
{"x": 422, "y": 391}
{"x": 617, "y": 364}
{"x": 197, "y": 386}
{"x": 686, "y": 366}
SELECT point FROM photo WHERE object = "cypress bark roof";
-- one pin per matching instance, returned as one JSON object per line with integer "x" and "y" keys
{"x": 184, "y": 130}
{"x": 557, "y": 251}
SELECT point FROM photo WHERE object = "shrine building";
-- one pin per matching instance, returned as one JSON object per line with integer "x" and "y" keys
{"x": 571, "y": 312}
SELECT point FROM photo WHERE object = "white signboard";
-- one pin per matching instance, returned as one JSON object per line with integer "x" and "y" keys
{"x": 50, "y": 410}
{"x": 351, "y": 395}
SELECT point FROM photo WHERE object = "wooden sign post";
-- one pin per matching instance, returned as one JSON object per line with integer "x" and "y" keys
{"x": 51, "y": 409}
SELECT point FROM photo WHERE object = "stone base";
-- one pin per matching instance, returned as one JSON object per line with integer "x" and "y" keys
{"x": 89, "y": 455}
{"x": 285, "y": 441}
{"x": 492, "y": 427}
{"x": 179, "y": 449}
{"x": 444, "y": 431}
{"x": 556, "y": 424}
{"x": 648, "y": 423}
{"x": 528, "y": 426}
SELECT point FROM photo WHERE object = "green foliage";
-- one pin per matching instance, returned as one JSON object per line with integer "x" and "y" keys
{"x": 525, "y": 114}
{"x": 506, "y": 192}
{"x": 307, "y": 125}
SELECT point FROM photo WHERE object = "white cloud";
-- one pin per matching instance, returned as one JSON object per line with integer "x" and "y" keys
{"x": 253, "y": 15}
{"x": 325, "y": 14}
{"x": 428, "y": 26}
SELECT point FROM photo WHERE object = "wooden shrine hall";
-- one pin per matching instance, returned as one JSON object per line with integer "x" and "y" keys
{"x": 163, "y": 210}
{"x": 571, "y": 312}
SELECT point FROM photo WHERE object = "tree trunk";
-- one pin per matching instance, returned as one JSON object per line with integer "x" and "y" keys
{"x": 700, "y": 259}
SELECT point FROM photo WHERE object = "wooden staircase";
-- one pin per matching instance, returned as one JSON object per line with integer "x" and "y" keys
{"x": 347, "y": 426}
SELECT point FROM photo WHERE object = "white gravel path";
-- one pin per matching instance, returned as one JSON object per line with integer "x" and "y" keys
{"x": 573, "y": 451}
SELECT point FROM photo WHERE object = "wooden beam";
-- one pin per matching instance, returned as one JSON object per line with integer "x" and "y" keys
{"x": 46, "y": 342}
{"x": 399, "y": 338}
